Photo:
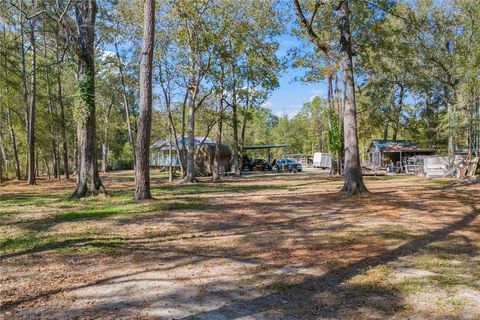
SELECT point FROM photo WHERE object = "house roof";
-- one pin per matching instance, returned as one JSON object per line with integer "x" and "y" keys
{"x": 164, "y": 144}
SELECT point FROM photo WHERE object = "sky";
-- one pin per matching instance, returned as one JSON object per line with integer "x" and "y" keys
{"x": 291, "y": 94}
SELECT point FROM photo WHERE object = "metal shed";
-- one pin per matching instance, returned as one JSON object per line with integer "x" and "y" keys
{"x": 384, "y": 153}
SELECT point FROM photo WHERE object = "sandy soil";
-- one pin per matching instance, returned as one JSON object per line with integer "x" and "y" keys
{"x": 284, "y": 246}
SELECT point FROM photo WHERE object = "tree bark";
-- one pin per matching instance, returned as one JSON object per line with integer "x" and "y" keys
{"x": 218, "y": 145}
{"x": 125, "y": 102}
{"x": 339, "y": 112}
{"x": 353, "y": 180}
{"x": 14, "y": 145}
{"x": 236, "y": 161}
{"x": 216, "y": 159}
{"x": 62, "y": 108}
{"x": 193, "y": 84}
{"x": 51, "y": 110}
{"x": 331, "y": 110}
{"x": 105, "y": 137}
{"x": 26, "y": 107}
{"x": 451, "y": 124}
{"x": 398, "y": 112}
{"x": 244, "y": 125}
{"x": 33, "y": 106}
{"x": 88, "y": 179}
{"x": 170, "y": 155}
{"x": 183, "y": 153}
{"x": 190, "y": 176}
{"x": 142, "y": 146}
{"x": 3, "y": 155}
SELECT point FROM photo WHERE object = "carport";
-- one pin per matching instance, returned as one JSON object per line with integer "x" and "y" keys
{"x": 265, "y": 146}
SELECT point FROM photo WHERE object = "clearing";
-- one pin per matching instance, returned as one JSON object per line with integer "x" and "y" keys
{"x": 261, "y": 247}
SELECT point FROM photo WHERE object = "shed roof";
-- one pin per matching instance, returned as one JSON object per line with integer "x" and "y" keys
{"x": 394, "y": 144}
{"x": 389, "y": 146}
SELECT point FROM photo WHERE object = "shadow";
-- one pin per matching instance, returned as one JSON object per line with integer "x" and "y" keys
{"x": 304, "y": 293}
{"x": 319, "y": 229}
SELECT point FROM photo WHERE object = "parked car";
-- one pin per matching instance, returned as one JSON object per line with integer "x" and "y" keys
{"x": 287, "y": 165}
{"x": 262, "y": 165}
{"x": 248, "y": 164}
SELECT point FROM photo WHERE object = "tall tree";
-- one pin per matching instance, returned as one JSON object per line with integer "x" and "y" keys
{"x": 353, "y": 180}
{"x": 142, "y": 147}
{"x": 353, "y": 183}
{"x": 33, "y": 103}
{"x": 88, "y": 179}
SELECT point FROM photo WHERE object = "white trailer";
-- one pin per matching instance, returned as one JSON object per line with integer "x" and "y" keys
{"x": 322, "y": 160}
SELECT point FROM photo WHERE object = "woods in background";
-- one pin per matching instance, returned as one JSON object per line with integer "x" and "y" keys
{"x": 74, "y": 77}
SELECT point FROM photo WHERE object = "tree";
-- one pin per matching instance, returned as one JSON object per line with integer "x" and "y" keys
{"x": 353, "y": 180}
{"x": 33, "y": 104}
{"x": 88, "y": 179}
{"x": 142, "y": 146}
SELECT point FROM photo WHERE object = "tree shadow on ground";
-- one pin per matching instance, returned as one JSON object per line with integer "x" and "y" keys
{"x": 327, "y": 295}
{"x": 285, "y": 303}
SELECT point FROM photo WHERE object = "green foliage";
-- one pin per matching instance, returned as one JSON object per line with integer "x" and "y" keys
{"x": 334, "y": 135}
{"x": 85, "y": 98}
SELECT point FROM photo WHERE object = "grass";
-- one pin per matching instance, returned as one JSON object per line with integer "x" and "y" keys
{"x": 220, "y": 221}
{"x": 35, "y": 233}
{"x": 412, "y": 285}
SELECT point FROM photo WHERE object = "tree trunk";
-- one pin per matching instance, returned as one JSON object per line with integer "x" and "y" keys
{"x": 218, "y": 145}
{"x": 331, "y": 111}
{"x": 353, "y": 180}
{"x": 339, "y": 113}
{"x": 3, "y": 158}
{"x": 14, "y": 146}
{"x": 125, "y": 102}
{"x": 1, "y": 169}
{"x": 142, "y": 146}
{"x": 451, "y": 124}
{"x": 47, "y": 168}
{"x": 193, "y": 87}
{"x": 244, "y": 125}
{"x": 170, "y": 155}
{"x": 26, "y": 108}
{"x": 236, "y": 161}
{"x": 398, "y": 112}
{"x": 190, "y": 176}
{"x": 88, "y": 179}
{"x": 62, "y": 109}
{"x": 183, "y": 153}
{"x": 104, "y": 157}
{"x": 3, "y": 155}
{"x": 105, "y": 145}
{"x": 51, "y": 110}
{"x": 105, "y": 148}
{"x": 33, "y": 106}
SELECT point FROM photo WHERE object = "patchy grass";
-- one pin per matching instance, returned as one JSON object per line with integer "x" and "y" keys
{"x": 411, "y": 285}
{"x": 286, "y": 246}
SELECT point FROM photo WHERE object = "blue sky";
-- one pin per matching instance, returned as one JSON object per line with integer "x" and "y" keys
{"x": 290, "y": 96}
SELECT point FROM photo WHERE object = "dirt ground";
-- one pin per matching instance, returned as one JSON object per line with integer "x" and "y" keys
{"x": 267, "y": 246}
